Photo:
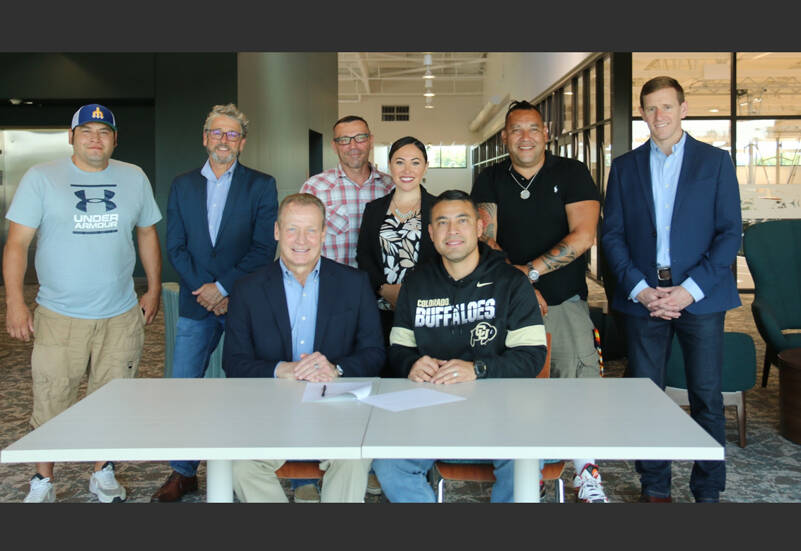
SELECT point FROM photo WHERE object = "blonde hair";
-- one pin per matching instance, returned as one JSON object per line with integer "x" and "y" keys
{"x": 303, "y": 200}
{"x": 228, "y": 110}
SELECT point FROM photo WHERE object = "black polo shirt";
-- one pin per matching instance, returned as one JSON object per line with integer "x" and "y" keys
{"x": 529, "y": 227}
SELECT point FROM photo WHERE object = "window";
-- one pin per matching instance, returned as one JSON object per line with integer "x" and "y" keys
{"x": 394, "y": 112}
{"x": 380, "y": 160}
{"x": 447, "y": 156}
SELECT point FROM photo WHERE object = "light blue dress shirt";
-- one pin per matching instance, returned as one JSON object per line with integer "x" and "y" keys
{"x": 301, "y": 303}
{"x": 216, "y": 195}
{"x": 665, "y": 170}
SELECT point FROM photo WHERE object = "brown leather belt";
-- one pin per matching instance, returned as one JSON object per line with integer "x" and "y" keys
{"x": 663, "y": 274}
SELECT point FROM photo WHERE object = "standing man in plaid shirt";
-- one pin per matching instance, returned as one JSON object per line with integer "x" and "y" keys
{"x": 345, "y": 190}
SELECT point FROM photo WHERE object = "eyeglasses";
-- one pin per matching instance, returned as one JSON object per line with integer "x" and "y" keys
{"x": 217, "y": 134}
{"x": 345, "y": 140}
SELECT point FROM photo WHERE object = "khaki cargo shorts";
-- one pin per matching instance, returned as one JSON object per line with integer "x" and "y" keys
{"x": 573, "y": 352}
{"x": 64, "y": 348}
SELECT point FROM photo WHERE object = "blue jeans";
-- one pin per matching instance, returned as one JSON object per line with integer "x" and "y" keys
{"x": 701, "y": 339}
{"x": 195, "y": 340}
{"x": 406, "y": 480}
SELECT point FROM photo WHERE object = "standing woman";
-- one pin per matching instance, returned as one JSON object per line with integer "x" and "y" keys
{"x": 393, "y": 237}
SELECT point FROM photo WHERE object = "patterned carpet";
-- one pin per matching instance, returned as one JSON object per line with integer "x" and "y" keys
{"x": 768, "y": 469}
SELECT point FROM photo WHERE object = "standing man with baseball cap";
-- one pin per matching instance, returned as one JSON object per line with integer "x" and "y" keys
{"x": 85, "y": 209}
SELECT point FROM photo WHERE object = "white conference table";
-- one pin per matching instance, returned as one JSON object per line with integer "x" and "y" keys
{"x": 219, "y": 420}
{"x": 532, "y": 419}
{"x": 222, "y": 420}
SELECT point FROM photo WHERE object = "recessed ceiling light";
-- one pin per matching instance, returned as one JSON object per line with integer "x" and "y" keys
{"x": 428, "y": 75}
{"x": 429, "y": 94}
{"x": 713, "y": 110}
{"x": 429, "y": 107}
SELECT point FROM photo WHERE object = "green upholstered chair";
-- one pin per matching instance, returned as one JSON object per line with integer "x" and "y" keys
{"x": 773, "y": 252}
{"x": 739, "y": 374}
{"x": 169, "y": 302}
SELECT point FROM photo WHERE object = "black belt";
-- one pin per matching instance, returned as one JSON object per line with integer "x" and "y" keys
{"x": 663, "y": 274}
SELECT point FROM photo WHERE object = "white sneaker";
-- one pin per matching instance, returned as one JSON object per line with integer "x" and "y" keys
{"x": 589, "y": 488}
{"x": 105, "y": 486}
{"x": 41, "y": 491}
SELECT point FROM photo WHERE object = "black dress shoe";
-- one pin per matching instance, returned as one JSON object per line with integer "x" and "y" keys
{"x": 645, "y": 498}
{"x": 174, "y": 488}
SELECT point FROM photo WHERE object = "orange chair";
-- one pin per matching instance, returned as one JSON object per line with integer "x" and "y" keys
{"x": 482, "y": 472}
{"x": 300, "y": 469}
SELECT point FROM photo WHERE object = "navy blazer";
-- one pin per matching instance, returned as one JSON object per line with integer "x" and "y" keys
{"x": 258, "y": 332}
{"x": 705, "y": 230}
{"x": 245, "y": 240}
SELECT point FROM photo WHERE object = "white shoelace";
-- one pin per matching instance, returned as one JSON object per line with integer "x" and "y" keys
{"x": 39, "y": 488}
{"x": 590, "y": 488}
{"x": 105, "y": 478}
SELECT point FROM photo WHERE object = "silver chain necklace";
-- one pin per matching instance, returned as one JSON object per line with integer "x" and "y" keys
{"x": 524, "y": 194}
{"x": 403, "y": 216}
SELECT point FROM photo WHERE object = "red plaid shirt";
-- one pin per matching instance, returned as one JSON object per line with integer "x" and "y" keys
{"x": 344, "y": 204}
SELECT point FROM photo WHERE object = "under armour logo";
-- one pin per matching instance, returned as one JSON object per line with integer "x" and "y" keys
{"x": 97, "y": 113}
{"x": 107, "y": 195}
{"x": 482, "y": 333}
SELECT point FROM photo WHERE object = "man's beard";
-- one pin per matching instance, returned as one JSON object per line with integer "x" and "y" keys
{"x": 232, "y": 155}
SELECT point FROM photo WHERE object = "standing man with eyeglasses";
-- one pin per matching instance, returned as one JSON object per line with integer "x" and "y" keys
{"x": 344, "y": 191}
{"x": 220, "y": 222}
{"x": 543, "y": 211}
{"x": 88, "y": 321}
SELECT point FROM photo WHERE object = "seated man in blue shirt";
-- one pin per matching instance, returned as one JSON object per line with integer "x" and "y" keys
{"x": 304, "y": 318}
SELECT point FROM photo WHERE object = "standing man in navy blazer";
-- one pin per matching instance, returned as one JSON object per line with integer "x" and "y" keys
{"x": 303, "y": 318}
{"x": 219, "y": 227}
{"x": 671, "y": 231}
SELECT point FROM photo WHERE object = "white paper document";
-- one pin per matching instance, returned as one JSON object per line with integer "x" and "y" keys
{"x": 410, "y": 399}
{"x": 335, "y": 392}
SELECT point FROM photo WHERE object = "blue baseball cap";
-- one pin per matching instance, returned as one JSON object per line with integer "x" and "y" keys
{"x": 94, "y": 112}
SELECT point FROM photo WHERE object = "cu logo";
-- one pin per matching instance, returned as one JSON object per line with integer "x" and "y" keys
{"x": 107, "y": 195}
{"x": 482, "y": 333}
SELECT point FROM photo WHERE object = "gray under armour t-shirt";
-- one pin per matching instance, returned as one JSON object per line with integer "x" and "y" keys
{"x": 85, "y": 254}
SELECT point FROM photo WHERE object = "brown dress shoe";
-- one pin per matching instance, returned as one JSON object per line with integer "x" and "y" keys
{"x": 645, "y": 498}
{"x": 174, "y": 488}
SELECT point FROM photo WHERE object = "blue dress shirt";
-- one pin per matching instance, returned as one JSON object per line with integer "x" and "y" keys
{"x": 665, "y": 170}
{"x": 301, "y": 303}
{"x": 216, "y": 195}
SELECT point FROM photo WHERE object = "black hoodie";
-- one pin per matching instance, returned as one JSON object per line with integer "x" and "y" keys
{"x": 492, "y": 314}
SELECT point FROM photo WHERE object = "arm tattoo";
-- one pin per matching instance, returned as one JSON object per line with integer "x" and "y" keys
{"x": 488, "y": 212}
{"x": 560, "y": 255}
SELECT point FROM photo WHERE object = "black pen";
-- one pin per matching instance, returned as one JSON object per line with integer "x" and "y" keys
{"x": 323, "y": 394}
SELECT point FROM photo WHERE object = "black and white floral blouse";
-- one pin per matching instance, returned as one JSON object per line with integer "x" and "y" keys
{"x": 400, "y": 246}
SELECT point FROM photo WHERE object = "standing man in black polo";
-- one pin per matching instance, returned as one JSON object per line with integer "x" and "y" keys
{"x": 542, "y": 210}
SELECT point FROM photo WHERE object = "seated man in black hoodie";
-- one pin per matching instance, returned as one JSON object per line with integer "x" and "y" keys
{"x": 468, "y": 317}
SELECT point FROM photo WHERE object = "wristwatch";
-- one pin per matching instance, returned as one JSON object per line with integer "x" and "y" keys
{"x": 339, "y": 370}
{"x": 533, "y": 274}
{"x": 480, "y": 368}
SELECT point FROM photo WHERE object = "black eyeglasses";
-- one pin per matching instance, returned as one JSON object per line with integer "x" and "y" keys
{"x": 345, "y": 140}
{"x": 217, "y": 134}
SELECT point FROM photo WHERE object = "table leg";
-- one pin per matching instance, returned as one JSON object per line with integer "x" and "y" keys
{"x": 527, "y": 480}
{"x": 219, "y": 481}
